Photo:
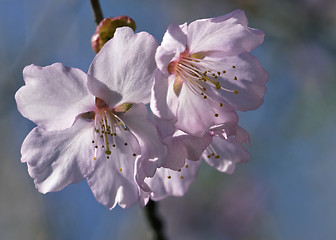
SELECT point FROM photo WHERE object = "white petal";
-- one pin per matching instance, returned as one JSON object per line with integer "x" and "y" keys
{"x": 163, "y": 102}
{"x": 167, "y": 182}
{"x": 58, "y": 158}
{"x": 125, "y": 65}
{"x": 230, "y": 152}
{"x": 195, "y": 115}
{"x": 247, "y": 77}
{"x": 174, "y": 42}
{"x": 112, "y": 181}
{"x": 182, "y": 146}
{"x": 53, "y": 96}
{"x": 152, "y": 150}
{"x": 227, "y": 35}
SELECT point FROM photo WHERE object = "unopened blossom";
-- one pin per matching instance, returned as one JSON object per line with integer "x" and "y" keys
{"x": 94, "y": 126}
{"x": 183, "y": 160}
{"x": 106, "y": 29}
{"x": 206, "y": 73}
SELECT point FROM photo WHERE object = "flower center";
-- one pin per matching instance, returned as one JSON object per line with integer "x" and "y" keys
{"x": 199, "y": 74}
{"x": 109, "y": 130}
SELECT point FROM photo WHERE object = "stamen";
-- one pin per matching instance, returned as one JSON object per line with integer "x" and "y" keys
{"x": 211, "y": 152}
{"x": 106, "y": 123}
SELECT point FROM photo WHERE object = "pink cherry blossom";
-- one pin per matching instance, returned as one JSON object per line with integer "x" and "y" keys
{"x": 224, "y": 152}
{"x": 94, "y": 126}
{"x": 206, "y": 73}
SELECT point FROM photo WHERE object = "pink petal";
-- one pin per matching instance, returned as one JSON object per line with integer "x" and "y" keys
{"x": 227, "y": 35}
{"x": 196, "y": 115}
{"x": 182, "y": 146}
{"x": 112, "y": 180}
{"x": 58, "y": 158}
{"x": 53, "y": 96}
{"x": 152, "y": 150}
{"x": 167, "y": 182}
{"x": 174, "y": 42}
{"x": 123, "y": 70}
{"x": 247, "y": 77}
{"x": 229, "y": 152}
{"x": 164, "y": 103}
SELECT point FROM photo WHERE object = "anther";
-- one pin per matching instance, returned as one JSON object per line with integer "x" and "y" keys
{"x": 125, "y": 143}
{"x": 187, "y": 166}
{"x": 120, "y": 169}
{"x": 221, "y": 104}
{"x": 134, "y": 154}
{"x": 169, "y": 177}
{"x": 179, "y": 170}
{"x": 217, "y": 156}
{"x": 235, "y": 78}
{"x": 216, "y": 115}
{"x": 181, "y": 177}
{"x": 108, "y": 152}
{"x": 235, "y": 91}
{"x": 233, "y": 66}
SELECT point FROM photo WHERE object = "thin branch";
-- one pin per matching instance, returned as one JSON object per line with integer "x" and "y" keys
{"x": 97, "y": 12}
{"x": 154, "y": 220}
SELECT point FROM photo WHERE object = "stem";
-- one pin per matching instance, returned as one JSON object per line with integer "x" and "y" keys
{"x": 154, "y": 220}
{"x": 97, "y": 12}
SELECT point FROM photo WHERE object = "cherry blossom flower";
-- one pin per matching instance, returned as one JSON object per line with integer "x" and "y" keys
{"x": 94, "y": 126}
{"x": 206, "y": 73}
{"x": 224, "y": 152}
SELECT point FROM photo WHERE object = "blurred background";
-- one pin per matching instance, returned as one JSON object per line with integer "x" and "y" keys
{"x": 286, "y": 192}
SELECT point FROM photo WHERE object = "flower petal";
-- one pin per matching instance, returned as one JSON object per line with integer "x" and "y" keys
{"x": 167, "y": 182}
{"x": 244, "y": 74}
{"x": 195, "y": 115}
{"x": 112, "y": 180}
{"x": 228, "y": 152}
{"x": 164, "y": 103}
{"x": 58, "y": 158}
{"x": 53, "y": 96}
{"x": 182, "y": 146}
{"x": 153, "y": 151}
{"x": 125, "y": 65}
{"x": 174, "y": 42}
{"x": 227, "y": 35}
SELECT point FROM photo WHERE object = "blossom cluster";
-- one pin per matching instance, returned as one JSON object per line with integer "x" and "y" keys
{"x": 97, "y": 126}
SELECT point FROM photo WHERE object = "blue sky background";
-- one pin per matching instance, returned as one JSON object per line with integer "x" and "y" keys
{"x": 286, "y": 191}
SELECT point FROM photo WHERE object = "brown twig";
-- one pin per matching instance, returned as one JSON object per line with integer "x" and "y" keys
{"x": 97, "y": 12}
{"x": 154, "y": 220}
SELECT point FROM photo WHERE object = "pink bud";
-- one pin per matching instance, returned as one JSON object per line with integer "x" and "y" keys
{"x": 106, "y": 29}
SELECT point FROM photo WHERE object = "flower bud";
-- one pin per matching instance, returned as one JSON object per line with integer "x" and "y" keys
{"x": 106, "y": 29}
